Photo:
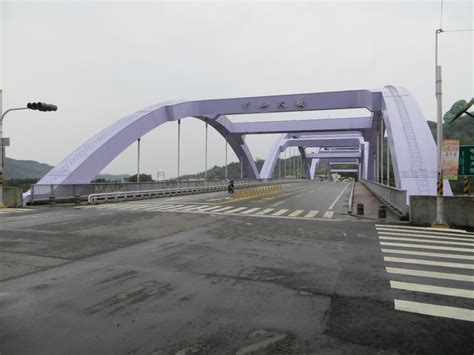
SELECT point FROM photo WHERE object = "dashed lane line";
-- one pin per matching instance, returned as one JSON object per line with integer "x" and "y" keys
{"x": 278, "y": 203}
{"x": 424, "y": 253}
{"x": 428, "y": 262}
{"x": 430, "y": 274}
{"x": 433, "y": 247}
{"x": 435, "y": 310}
{"x": 438, "y": 290}
{"x": 280, "y": 212}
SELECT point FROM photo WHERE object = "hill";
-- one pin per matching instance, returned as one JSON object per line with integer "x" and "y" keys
{"x": 33, "y": 170}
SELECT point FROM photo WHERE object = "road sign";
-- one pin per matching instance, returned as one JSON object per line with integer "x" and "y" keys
{"x": 466, "y": 160}
{"x": 450, "y": 159}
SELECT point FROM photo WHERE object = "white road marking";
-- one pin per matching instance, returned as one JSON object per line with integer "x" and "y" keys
{"x": 236, "y": 210}
{"x": 170, "y": 207}
{"x": 422, "y": 228}
{"x": 299, "y": 196}
{"x": 222, "y": 209}
{"x": 280, "y": 212}
{"x": 14, "y": 210}
{"x": 311, "y": 214}
{"x": 250, "y": 210}
{"x": 181, "y": 208}
{"x": 197, "y": 208}
{"x": 296, "y": 213}
{"x": 265, "y": 211}
{"x": 435, "y": 310}
{"x": 209, "y": 208}
{"x": 428, "y": 262}
{"x": 438, "y": 290}
{"x": 434, "y": 247}
{"x": 431, "y": 274}
{"x": 278, "y": 203}
{"x": 337, "y": 198}
{"x": 427, "y": 241}
{"x": 423, "y": 233}
{"x": 437, "y": 255}
{"x": 156, "y": 207}
{"x": 433, "y": 236}
{"x": 328, "y": 214}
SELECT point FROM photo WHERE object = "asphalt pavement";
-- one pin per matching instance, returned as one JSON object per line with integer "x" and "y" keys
{"x": 173, "y": 276}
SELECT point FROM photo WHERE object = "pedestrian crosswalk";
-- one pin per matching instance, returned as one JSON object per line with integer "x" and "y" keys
{"x": 426, "y": 262}
{"x": 214, "y": 209}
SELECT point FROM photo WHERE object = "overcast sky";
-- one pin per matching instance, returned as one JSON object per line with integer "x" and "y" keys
{"x": 99, "y": 61}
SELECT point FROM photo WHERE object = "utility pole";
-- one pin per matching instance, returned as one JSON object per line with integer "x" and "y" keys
{"x": 439, "y": 221}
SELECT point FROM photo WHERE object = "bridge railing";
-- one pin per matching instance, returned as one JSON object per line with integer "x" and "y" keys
{"x": 41, "y": 193}
{"x": 395, "y": 198}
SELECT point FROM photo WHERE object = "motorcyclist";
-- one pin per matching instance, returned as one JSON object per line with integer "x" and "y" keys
{"x": 231, "y": 187}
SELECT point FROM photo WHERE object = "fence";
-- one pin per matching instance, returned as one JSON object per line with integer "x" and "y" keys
{"x": 395, "y": 198}
{"x": 66, "y": 193}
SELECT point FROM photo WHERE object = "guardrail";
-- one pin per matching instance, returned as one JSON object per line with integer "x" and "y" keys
{"x": 393, "y": 197}
{"x": 144, "y": 194}
{"x": 42, "y": 193}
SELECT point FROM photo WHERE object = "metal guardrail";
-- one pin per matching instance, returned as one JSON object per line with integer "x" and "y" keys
{"x": 143, "y": 194}
{"x": 393, "y": 197}
{"x": 42, "y": 193}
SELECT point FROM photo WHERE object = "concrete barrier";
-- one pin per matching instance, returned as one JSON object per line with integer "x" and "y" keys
{"x": 458, "y": 210}
{"x": 12, "y": 197}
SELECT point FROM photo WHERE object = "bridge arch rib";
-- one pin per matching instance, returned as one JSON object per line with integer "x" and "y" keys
{"x": 88, "y": 160}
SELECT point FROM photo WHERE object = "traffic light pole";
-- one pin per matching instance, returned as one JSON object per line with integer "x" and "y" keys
{"x": 40, "y": 106}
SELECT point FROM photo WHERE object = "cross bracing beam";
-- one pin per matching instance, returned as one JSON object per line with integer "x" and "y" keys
{"x": 298, "y": 126}
{"x": 342, "y": 155}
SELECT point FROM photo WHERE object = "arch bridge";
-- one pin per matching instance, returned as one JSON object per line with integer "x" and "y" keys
{"x": 393, "y": 111}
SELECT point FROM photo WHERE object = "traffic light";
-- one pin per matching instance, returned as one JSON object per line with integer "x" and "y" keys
{"x": 41, "y": 106}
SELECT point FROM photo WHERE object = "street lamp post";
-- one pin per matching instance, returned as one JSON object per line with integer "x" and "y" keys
{"x": 40, "y": 106}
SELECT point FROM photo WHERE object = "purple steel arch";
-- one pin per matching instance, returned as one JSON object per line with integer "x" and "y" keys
{"x": 302, "y": 141}
{"x": 413, "y": 149}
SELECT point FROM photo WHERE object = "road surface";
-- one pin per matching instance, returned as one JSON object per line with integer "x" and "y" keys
{"x": 144, "y": 278}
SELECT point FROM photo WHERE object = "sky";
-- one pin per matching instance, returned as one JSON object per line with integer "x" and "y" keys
{"x": 100, "y": 61}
